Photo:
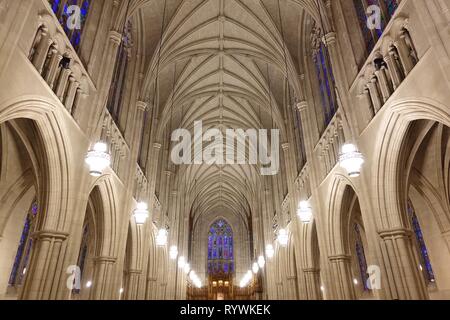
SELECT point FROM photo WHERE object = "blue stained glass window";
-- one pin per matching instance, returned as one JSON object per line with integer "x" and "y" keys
{"x": 55, "y": 5}
{"x": 61, "y": 9}
{"x": 360, "y": 254}
{"x": 326, "y": 83}
{"x": 424, "y": 257}
{"x": 220, "y": 248}
{"x": 24, "y": 249}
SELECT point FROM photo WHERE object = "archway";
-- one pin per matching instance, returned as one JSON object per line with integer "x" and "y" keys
{"x": 412, "y": 179}
{"x": 349, "y": 245}
{"x": 427, "y": 202}
{"x": 20, "y": 213}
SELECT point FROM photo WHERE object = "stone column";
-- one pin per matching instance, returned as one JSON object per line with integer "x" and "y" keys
{"x": 42, "y": 51}
{"x": 53, "y": 68}
{"x": 133, "y": 284}
{"x": 393, "y": 69}
{"x": 403, "y": 275}
{"x": 375, "y": 94}
{"x": 101, "y": 283}
{"x": 62, "y": 83}
{"x": 41, "y": 282}
{"x": 312, "y": 279}
{"x": 70, "y": 96}
{"x": 341, "y": 270}
{"x": 366, "y": 101}
{"x": 151, "y": 289}
{"x": 405, "y": 54}
{"x": 385, "y": 86}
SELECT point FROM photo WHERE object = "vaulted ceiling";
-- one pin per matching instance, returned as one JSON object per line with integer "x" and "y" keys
{"x": 223, "y": 62}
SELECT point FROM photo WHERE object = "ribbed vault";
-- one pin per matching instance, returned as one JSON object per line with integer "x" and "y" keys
{"x": 226, "y": 63}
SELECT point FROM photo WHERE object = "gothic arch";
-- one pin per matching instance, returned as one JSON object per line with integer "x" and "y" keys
{"x": 389, "y": 183}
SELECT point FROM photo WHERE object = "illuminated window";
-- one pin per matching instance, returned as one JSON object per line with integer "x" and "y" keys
{"x": 220, "y": 248}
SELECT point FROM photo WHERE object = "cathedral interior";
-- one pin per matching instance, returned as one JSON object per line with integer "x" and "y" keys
{"x": 224, "y": 149}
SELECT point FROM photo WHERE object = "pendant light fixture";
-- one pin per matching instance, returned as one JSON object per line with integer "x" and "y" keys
{"x": 98, "y": 159}
{"x": 304, "y": 212}
{"x": 351, "y": 160}
{"x": 141, "y": 213}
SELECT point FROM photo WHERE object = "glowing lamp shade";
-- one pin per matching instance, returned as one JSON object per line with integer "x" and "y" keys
{"x": 304, "y": 212}
{"x": 98, "y": 159}
{"x": 187, "y": 268}
{"x": 141, "y": 213}
{"x": 173, "y": 252}
{"x": 261, "y": 262}
{"x": 181, "y": 262}
{"x": 351, "y": 160}
{"x": 255, "y": 268}
{"x": 161, "y": 238}
{"x": 270, "y": 251}
{"x": 283, "y": 238}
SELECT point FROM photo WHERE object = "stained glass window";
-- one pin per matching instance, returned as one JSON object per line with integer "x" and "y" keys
{"x": 61, "y": 8}
{"x": 19, "y": 268}
{"x": 387, "y": 9}
{"x": 360, "y": 254}
{"x": 117, "y": 88}
{"x": 326, "y": 81}
{"x": 220, "y": 248}
{"x": 425, "y": 262}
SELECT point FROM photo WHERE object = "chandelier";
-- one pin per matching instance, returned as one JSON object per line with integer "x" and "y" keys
{"x": 261, "y": 262}
{"x": 351, "y": 160}
{"x": 283, "y": 238}
{"x": 304, "y": 212}
{"x": 141, "y": 213}
{"x": 173, "y": 252}
{"x": 270, "y": 251}
{"x": 161, "y": 238}
{"x": 255, "y": 267}
{"x": 98, "y": 159}
{"x": 181, "y": 262}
